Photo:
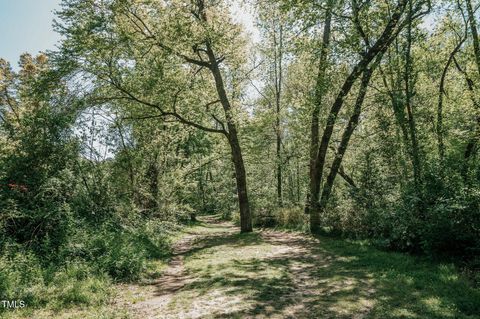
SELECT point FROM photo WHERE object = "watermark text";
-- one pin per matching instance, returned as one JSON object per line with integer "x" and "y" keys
{"x": 12, "y": 304}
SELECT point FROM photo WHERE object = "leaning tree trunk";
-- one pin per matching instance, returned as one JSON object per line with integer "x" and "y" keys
{"x": 347, "y": 134}
{"x": 380, "y": 46}
{"x": 230, "y": 131}
{"x": 232, "y": 135}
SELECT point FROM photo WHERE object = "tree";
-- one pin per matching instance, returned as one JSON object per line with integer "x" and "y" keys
{"x": 275, "y": 28}
{"x": 313, "y": 195}
{"x": 160, "y": 63}
{"x": 393, "y": 26}
{"x": 36, "y": 150}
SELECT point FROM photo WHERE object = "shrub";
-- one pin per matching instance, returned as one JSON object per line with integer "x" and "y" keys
{"x": 291, "y": 217}
{"x": 21, "y": 276}
{"x": 117, "y": 254}
{"x": 78, "y": 283}
{"x": 155, "y": 237}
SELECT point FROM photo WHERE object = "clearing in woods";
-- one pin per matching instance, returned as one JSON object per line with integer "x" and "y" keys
{"x": 215, "y": 272}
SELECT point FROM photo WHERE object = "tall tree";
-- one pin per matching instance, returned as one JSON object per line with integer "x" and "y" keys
{"x": 273, "y": 25}
{"x": 320, "y": 89}
{"x": 471, "y": 145}
{"x": 409, "y": 93}
{"x": 138, "y": 40}
{"x": 393, "y": 26}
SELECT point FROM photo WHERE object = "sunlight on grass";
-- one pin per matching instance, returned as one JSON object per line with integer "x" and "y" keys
{"x": 270, "y": 274}
{"x": 250, "y": 275}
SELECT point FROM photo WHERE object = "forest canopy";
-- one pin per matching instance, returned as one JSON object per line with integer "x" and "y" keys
{"x": 358, "y": 119}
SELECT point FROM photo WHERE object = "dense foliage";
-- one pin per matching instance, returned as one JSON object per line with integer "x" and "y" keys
{"x": 364, "y": 115}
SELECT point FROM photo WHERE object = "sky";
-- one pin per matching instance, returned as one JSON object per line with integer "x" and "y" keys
{"x": 26, "y": 26}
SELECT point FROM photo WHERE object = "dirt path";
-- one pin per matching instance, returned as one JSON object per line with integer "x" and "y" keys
{"x": 175, "y": 277}
{"x": 215, "y": 272}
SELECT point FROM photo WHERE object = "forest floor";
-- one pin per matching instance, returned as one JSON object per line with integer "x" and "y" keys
{"x": 215, "y": 272}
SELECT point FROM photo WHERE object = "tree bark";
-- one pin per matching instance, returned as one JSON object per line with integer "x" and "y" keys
{"x": 473, "y": 29}
{"x": 408, "y": 101}
{"x": 347, "y": 134}
{"x": 232, "y": 136}
{"x": 278, "y": 57}
{"x": 152, "y": 176}
{"x": 473, "y": 140}
{"x": 314, "y": 129}
{"x": 471, "y": 146}
{"x": 347, "y": 178}
{"x": 441, "y": 93}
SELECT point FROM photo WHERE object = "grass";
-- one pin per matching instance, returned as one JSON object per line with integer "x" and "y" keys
{"x": 402, "y": 286}
{"x": 273, "y": 274}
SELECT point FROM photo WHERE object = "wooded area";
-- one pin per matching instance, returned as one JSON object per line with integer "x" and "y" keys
{"x": 357, "y": 119}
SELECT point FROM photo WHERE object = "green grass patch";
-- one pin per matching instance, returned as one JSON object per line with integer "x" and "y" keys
{"x": 276, "y": 274}
{"x": 291, "y": 275}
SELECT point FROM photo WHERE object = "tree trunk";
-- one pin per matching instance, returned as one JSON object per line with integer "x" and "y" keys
{"x": 473, "y": 29}
{"x": 471, "y": 145}
{"x": 408, "y": 101}
{"x": 131, "y": 174}
{"x": 241, "y": 179}
{"x": 347, "y": 134}
{"x": 314, "y": 129}
{"x": 232, "y": 135}
{"x": 278, "y": 57}
{"x": 152, "y": 175}
{"x": 398, "y": 110}
{"x": 441, "y": 93}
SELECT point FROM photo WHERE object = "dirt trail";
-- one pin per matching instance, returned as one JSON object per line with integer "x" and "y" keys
{"x": 174, "y": 278}
{"x": 217, "y": 273}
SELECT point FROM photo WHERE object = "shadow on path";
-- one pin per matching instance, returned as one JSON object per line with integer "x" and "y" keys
{"x": 219, "y": 273}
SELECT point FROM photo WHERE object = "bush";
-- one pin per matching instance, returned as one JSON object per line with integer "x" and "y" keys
{"x": 117, "y": 254}
{"x": 120, "y": 252}
{"x": 291, "y": 217}
{"x": 155, "y": 237}
{"x": 284, "y": 217}
{"x": 450, "y": 226}
{"x": 85, "y": 266}
{"x": 21, "y": 276}
{"x": 78, "y": 283}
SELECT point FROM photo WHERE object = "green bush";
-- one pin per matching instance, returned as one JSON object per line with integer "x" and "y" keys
{"x": 85, "y": 266}
{"x": 117, "y": 254}
{"x": 155, "y": 237}
{"x": 21, "y": 276}
{"x": 78, "y": 283}
{"x": 450, "y": 226}
{"x": 291, "y": 217}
